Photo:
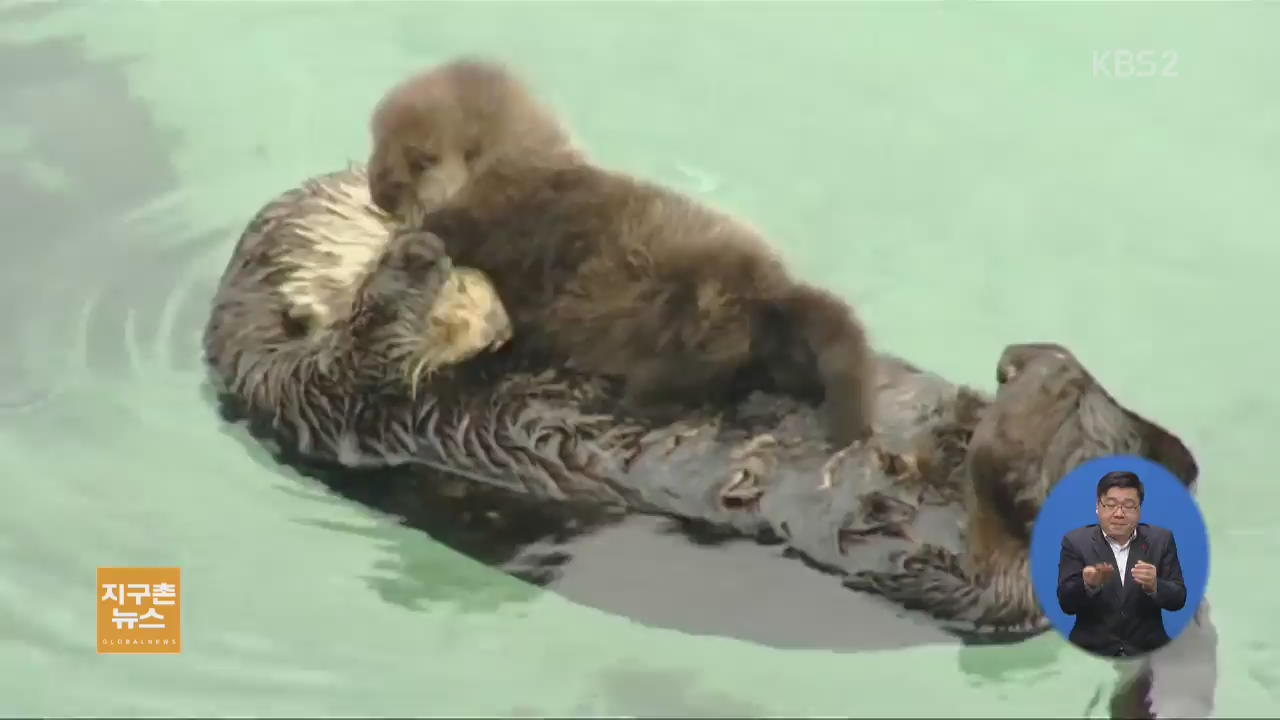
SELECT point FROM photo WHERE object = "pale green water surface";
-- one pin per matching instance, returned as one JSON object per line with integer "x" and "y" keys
{"x": 960, "y": 172}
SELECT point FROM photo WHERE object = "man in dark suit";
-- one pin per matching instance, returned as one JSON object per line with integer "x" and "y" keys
{"x": 1118, "y": 613}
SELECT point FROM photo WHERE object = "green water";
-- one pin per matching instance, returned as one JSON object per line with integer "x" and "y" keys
{"x": 961, "y": 172}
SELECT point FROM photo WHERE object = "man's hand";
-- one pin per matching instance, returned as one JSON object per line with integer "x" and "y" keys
{"x": 1145, "y": 575}
{"x": 1095, "y": 576}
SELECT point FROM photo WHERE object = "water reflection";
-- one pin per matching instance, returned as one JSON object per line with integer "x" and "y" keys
{"x": 663, "y": 571}
{"x": 63, "y": 177}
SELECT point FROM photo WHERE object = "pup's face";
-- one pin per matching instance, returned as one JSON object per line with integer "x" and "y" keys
{"x": 433, "y": 133}
{"x": 422, "y": 162}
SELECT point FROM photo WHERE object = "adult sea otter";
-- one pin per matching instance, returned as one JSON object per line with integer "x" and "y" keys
{"x": 348, "y": 349}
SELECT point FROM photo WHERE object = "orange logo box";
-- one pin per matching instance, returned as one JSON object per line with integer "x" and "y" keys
{"x": 139, "y": 610}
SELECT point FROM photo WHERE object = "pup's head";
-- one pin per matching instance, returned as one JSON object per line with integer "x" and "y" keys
{"x": 435, "y": 131}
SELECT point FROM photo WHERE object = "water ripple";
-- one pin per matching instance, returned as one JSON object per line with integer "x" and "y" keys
{"x": 68, "y": 245}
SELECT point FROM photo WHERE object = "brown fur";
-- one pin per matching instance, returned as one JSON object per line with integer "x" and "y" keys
{"x": 1049, "y": 416}
{"x": 438, "y": 129}
{"x": 610, "y": 274}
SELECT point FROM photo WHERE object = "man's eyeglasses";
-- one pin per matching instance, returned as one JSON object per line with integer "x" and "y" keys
{"x": 1111, "y": 505}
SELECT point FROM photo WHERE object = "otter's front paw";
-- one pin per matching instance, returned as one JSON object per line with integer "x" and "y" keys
{"x": 410, "y": 272}
{"x": 415, "y": 252}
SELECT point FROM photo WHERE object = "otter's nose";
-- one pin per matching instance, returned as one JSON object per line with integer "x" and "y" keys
{"x": 384, "y": 195}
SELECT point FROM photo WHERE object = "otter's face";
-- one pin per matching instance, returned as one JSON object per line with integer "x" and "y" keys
{"x": 435, "y": 132}
{"x": 417, "y": 172}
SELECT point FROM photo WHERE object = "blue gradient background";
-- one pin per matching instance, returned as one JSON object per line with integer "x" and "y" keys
{"x": 1167, "y": 504}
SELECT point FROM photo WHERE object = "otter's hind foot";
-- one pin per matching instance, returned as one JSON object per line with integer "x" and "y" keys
{"x": 931, "y": 579}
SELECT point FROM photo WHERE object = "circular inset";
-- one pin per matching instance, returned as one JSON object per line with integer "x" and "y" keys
{"x": 1119, "y": 556}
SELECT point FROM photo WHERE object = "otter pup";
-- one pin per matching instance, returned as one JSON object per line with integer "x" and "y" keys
{"x": 612, "y": 275}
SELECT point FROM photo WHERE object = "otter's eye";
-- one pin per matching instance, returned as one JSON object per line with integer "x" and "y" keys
{"x": 471, "y": 153}
{"x": 419, "y": 161}
{"x": 1002, "y": 374}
